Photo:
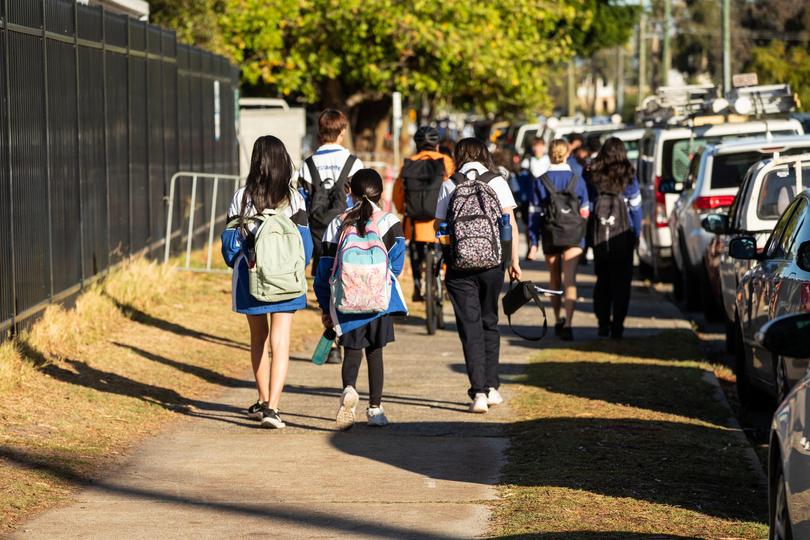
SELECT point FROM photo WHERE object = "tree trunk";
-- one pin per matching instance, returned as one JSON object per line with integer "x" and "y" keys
{"x": 370, "y": 119}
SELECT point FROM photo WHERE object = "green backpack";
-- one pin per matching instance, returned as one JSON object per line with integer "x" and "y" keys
{"x": 278, "y": 272}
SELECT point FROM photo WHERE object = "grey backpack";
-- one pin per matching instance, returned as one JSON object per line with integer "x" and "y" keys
{"x": 473, "y": 217}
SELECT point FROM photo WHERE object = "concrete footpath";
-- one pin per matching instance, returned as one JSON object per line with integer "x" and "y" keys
{"x": 430, "y": 474}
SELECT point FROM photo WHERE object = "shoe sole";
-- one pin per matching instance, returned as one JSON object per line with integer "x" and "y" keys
{"x": 345, "y": 415}
{"x": 272, "y": 424}
{"x": 479, "y": 411}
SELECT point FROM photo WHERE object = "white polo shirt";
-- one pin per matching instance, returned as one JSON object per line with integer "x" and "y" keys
{"x": 498, "y": 185}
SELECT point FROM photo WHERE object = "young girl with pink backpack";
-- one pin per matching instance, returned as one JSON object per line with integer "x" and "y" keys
{"x": 358, "y": 292}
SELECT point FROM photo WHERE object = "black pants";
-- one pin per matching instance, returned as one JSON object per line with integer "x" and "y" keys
{"x": 351, "y": 368}
{"x": 475, "y": 302}
{"x": 317, "y": 248}
{"x": 614, "y": 276}
{"x": 417, "y": 252}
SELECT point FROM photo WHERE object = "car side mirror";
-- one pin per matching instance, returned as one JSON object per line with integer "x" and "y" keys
{"x": 715, "y": 223}
{"x": 786, "y": 336}
{"x": 743, "y": 247}
{"x": 803, "y": 257}
{"x": 670, "y": 186}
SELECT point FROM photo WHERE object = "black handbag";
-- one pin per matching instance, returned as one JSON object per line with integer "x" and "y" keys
{"x": 519, "y": 294}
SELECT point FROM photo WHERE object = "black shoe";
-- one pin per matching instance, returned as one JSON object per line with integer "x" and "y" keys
{"x": 566, "y": 334}
{"x": 417, "y": 296}
{"x": 334, "y": 357}
{"x": 616, "y": 333}
{"x": 558, "y": 327}
{"x": 604, "y": 330}
{"x": 255, "y": 410}
{"x": 271, "y": 419}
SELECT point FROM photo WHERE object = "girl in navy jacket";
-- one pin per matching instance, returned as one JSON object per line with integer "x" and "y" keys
{"x": 267, "y": 186}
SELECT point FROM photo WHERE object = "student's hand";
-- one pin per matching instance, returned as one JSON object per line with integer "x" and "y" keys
{"x": 326, "y": 319}
{"x": 532, "y": 255}
{"x": 514, "y": 270}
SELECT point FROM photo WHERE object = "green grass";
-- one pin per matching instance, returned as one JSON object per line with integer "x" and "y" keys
{"x": 625, "y": 440}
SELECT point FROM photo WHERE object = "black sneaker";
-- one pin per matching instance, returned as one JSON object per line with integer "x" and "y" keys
{"x": 558, "y": 327}
{"x": 255, "y": 410}
{"x": 604, "y": 330}
{"x": 566, "y": 334}
{"x": 334, "y": 356}
{"x": 617, "y": 333}
{"x": 271, "y": 419}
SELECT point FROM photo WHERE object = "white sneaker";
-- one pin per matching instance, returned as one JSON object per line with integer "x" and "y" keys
{"x": 479, "y": 404}
{"x": 494, "y": 397}
{"x": 348, "y": 404}
{"x": 376, "y": 417}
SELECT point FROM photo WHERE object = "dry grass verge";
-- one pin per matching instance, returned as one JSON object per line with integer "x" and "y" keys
{"x": 146, "y": 345}
{"x": 625, "y": 440}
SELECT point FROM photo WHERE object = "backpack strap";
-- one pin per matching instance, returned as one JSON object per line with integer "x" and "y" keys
{"x": 546, "y": 181}
{"x": 572, "y": 184}
{"x": 529, "y": 287}
{"x": 346, "y": 170}
{"x": 314, "y": 175}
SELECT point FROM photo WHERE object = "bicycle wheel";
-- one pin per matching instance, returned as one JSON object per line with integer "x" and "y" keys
{"x": 429, "y": 279}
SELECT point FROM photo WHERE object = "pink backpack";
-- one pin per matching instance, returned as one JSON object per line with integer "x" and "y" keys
{"x": 361, "y": 280}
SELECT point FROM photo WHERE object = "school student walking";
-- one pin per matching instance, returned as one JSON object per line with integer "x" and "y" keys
{"x": 323, "y": 180}
{"x": 267, "y": 242}
{"x": 615, "y": 229}
{"x": 557, "y": 217}
{"x": 472, "y": 205}
{"x": 358, "y": 292}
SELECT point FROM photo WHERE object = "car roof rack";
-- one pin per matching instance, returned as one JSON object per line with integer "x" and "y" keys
{"x": 675, "y": 105}
{"x": 763, "y": 99}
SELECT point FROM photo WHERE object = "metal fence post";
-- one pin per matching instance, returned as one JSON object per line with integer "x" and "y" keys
{"x": 7, "y": 127}
{"x": 78, "y": 139}
{"x": 191, "y": 219}
{"x": 169, "y": 219}
{"x": 211, "y": 223}
{"x": 47, "y": 149}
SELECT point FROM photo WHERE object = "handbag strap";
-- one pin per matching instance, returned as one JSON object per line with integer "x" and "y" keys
{"x": 530, "y": 287}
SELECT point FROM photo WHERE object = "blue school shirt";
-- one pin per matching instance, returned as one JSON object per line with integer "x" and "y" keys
{"x": 559, "y": 175}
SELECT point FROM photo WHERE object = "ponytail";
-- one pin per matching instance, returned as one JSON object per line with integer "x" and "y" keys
{"x": 367, "y": 188}
{"x": 359, "y": 215}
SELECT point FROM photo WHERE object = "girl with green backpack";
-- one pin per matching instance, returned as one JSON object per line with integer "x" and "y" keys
{"x": 268, "y": 244}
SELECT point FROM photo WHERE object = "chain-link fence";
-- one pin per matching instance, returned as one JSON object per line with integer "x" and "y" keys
{"x": 98, "y": 111}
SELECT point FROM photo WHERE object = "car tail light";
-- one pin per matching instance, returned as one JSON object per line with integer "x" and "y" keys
{"x": 713, "y": 202}
{"x": 660, "y": 205}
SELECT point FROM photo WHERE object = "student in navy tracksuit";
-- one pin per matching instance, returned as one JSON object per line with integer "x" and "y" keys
{"x": 612, "y": 172}
{"x": 268, "y": 186}
{"x": 562, "y": 260}
{"x": 369, "y": 332}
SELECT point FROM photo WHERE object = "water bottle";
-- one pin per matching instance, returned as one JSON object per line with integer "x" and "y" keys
{"x": 441, "y": 235}
{"x": 506, "y": 241}
{"x": 324, "y": 346}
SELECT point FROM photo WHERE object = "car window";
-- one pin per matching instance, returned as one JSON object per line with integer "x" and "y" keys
{"x": 776, "y": 247}
{"x": 734, "y": 210}
{"x": 694, "y": 168}
{"x": 632, "y": 149}
{"x": 728, "y": 170}
{"x": 778, "y": 189}
{"x": 793, "y": 228}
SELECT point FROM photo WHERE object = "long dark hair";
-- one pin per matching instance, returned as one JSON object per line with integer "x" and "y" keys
{"x": 268, "y": 182}
{"x": 610, "y": 170}
{"x": 367, "y": 188}
{"x": 471, "y": 149}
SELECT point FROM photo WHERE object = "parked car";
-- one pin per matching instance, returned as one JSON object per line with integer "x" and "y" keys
{"x": 789, "y": 448}
{"x": 765, "y": 193}
{"x": 631, "y": 137}
{"x": 778, "y": 285}
{"x": 664, "y": 160}
{"x": 715, "y": 175}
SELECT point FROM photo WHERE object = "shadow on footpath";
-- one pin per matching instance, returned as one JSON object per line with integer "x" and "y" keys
{"x": 596, "y": 535}
{"x": 622, "y": 457}
{"x": 272, "y": 512}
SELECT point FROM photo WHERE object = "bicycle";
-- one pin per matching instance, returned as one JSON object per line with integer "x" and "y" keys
{"x": 433, "y": 283}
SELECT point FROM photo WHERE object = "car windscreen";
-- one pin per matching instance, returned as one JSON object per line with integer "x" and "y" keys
{"x": 778, "y": 189}
{"x": 678, "y": 153}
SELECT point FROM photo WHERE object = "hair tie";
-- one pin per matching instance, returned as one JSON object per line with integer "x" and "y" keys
{"x": 366, "y": 197}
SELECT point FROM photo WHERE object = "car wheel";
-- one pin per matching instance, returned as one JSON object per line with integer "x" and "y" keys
{"x": 743, "y": 384}
{"x": 691, "y": 284}
{"x": 782, "y": 384}
{"x": 779, "y": 526}
{"x": 730, "y": 338}
{"x": 711, "y": 307}
{"x": 677, "y": 284}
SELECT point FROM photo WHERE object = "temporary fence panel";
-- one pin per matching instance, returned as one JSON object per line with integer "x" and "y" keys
{"x": 98, "y": 111}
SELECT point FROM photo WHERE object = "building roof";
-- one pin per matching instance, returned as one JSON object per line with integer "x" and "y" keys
{"x": 138, "y": 9}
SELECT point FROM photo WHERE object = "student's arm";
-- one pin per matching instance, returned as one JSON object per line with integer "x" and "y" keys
{"x": 302, "y": 222}
{"x": 535, "y": 218}
{"x": 582, "y": 195}
{"x": 324, "y": 270}
{"x": 514, "y": 269}
{"x": 231, "y": 245}
{"x": 632, "y": 196}
{"x": 394, "y": 240}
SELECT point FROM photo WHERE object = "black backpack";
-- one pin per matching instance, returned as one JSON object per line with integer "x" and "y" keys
{"x": 327, "y": 196}
{"x": 422, "y": 179}
{"x": 563, "y": 225}
{"x": 610, "y": 222}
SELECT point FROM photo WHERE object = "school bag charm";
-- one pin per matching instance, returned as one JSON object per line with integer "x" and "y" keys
{"x": 473, "y": 215}
{"x": 361, "y": 281}
{"x": 276, "y": 266}
{"x": 562, "y": 223}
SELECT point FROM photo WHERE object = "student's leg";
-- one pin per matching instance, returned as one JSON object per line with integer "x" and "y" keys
{"x": 376, "y": 376}
{"x": 259, "y": 354}
{"x": 491, "y": 283}
{"x": 622, "y": 283}
{"x": 280, "y": 327}
{"x": 602, "y": 289}
{"x": 554, "y": 282}
{"x": 317, "y": 249}
{"x": 463, "y": 293}
{"x": 351, "y": 366}
{"x": 417, "y": 253}
{"x": 570, "y": 261}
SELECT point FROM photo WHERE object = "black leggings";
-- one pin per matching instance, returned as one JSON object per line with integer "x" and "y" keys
{"x": 351, "y": 367}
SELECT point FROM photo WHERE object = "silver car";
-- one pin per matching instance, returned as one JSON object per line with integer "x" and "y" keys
{"x": 789, "y": 454}
{"x": 714, "y": 178}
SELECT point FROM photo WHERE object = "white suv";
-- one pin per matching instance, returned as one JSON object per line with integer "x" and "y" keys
{"x": 664, "y": 159}
{"x": 714, "y": 177}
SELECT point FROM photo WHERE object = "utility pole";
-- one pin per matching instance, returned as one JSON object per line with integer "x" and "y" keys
{"x": 642, "y": 55}
{"x": 620, "y": 80}
{"x": 571, "y": 93}
{"x": 726, "y": 46}
{"x": 667, "y": 63}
